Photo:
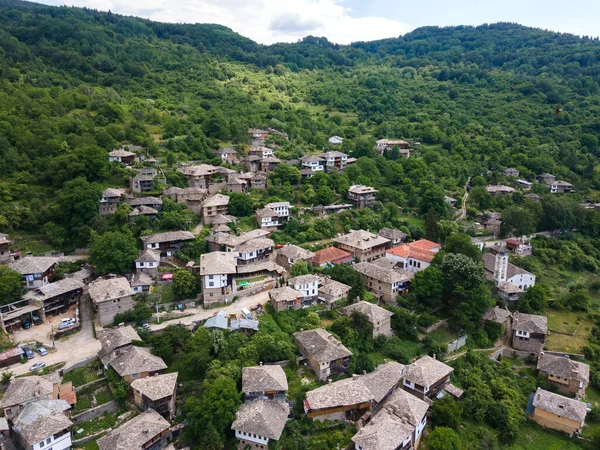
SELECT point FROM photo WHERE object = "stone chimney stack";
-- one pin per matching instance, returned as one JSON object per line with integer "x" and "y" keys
{"x": 500, "y": 267}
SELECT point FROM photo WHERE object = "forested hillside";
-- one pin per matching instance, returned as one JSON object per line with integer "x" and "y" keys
{"x": 76, "y": 83}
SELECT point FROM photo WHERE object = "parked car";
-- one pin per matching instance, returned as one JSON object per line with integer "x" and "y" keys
{"x": 37, "y": 366}
{"x": 64, "y": 326}
{"x": 37, "y": 320}
{"x": 26, "y": 325}
{"x": 28, "y": 353}
{"x": 42, "y": 351}
{"x": 145, "y": 326}
{"x": 68, "y": 320}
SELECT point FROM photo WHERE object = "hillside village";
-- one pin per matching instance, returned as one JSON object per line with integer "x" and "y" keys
{"x": 209, "y": 243}
{"x": 241, "y": 277}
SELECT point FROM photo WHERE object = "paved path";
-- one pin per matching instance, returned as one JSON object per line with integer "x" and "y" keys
{"x": 202, "y": 314}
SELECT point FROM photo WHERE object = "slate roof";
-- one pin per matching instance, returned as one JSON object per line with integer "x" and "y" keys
{"x": 509, "y": 288}
{"x": 530, "y": 323}
{"x": 133, "y": 434}
{"x": 563, "y": 367}
{"x": 384, "y": 275}
{"x": 333, "y": 288}
{"x": 169, "y": 236}
{"x": 113, "y": 192}
{"x": 263, "y": 379}
{"x": 322, "y": 345}
{"x": 408, "y": 406}
{"x": 561, "y": 183}
{"x": 311, "y": 158}
{"x": 384, "y": 378}
{"x": 42, "y": 419}
{"x": 33, "y": 264}
{"x": 233, "y": 241}
{"x": 113, "y": 338}
{"x": 143, "y": 211}
{"x": 254, "y": 245}
{"x": 144, "y": 201}
{"x": 361, "y": 239}
{"x": 222, "y": 219}
{"x": 121, "y": 152}
{"x": 266, "y": 212}
{"x": 55, "y": 289}
{"x": 375, "y": 314}
{"x": 262, "y": 417}
{"x": 216, "y": 200}
{"x": 303, "y": 279}
{"x": 392, "y": 234}
{"x": 426, "y": 371}
{"x": 385, "y": 431}
{"x": 148, "y": 255}
{"x": 260, "y": 266}
{"x": 346, "y": 392}
{"x": 217, "y": 263}
{"x": 102, "y": 290}
{"x": 295, "y": 253}
{"x": 26, "y": 389}
{"x": 142, "y": 279}
{"x": 559, "y": 405}
{"x": 496, "y": 314}
{"x": 284, "y": 294}
{"x": 137, "y": 360}
{"x": 156, "y": 387}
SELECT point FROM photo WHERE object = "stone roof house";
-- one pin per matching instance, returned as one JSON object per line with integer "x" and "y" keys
{"x": 137, "y": 362}
{"x": 289, "y": 254}
{"x": 110, "y": 297}
{"x": 377, "y": 316}
{"x": 156, "y": 392}
{"x": 331, "y": 291}
{"x": 259, "y": 422}
{"x": 145, "y": 431}
{"x": 43, "y": 424}
{"x": 115, "y": 341}
{"x": 325, "y": 354}
{"x": 529, "y": 332}
{"x": 24, "y": 390}
{"x": 385, "y": 283}
{"x": 264, "y": 382}
{"x": 331, "y": 256}
{"x": 36, "y": 270}
{"x": 395, "y": 236}
{"x": 426, "y": 377}
{"x": 285, "y": 298}
{"x": 557, "y": 412}
{"x": 363, "y": 245}
{"x": 570, "y": 377}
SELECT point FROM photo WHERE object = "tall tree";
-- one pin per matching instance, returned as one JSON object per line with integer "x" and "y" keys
{"x": 113, "y": 252}
{"x": 10, "y": 285}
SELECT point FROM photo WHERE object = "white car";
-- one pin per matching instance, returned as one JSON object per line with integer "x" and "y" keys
{"x": 37, "y": 366}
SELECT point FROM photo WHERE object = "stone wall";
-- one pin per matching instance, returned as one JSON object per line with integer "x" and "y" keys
{"x": 79, "y": 364}
{"x": 96, "y": 412}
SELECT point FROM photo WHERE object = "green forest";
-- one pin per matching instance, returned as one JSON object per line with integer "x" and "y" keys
{"x": 471, "y": 101}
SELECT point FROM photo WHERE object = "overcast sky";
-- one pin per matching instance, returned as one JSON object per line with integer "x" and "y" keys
{"x": 345, "y": 21}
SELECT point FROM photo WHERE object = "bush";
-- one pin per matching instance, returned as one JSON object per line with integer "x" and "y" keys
{"x": 425, "y": 320}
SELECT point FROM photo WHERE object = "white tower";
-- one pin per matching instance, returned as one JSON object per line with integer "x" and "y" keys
{"x": 500, "y": 267}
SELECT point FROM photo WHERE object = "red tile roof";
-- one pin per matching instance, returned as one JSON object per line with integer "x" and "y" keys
{"x": 331, "y": 255}
{"x": 406, "y": 250}
{"x": 424, "y": 244}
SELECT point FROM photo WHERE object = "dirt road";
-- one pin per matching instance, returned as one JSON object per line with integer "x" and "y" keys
{"x": 70, "y": 350}
{"x": 202, "y": 314}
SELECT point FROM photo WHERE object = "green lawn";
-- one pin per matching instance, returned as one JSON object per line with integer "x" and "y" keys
{"x": 83, "y": 402}
{"x": 103, "y": 396}
{"x": 533, "y": 437}
{"x": 250, "y": 280}
{"x": 443, "y": 335}
{"x": 81, "y": 376}
{"x": 567, "y": 322}
{"x": 91, "y": 445}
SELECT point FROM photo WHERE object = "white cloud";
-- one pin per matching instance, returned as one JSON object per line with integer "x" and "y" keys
{"x": 265, "y": 21}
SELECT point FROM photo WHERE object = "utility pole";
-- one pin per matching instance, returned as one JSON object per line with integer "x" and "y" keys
{"x": 157, "y": 316}
{"x": 53, "y": 336}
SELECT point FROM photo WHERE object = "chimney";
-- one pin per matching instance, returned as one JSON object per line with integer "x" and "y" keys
{"x": 330, "y": 381}
{"x": 434, "y": 356}
{"x": 260, "y": 364}
{"x": 364, "y": 372}
{"x": 354, "y": 377}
